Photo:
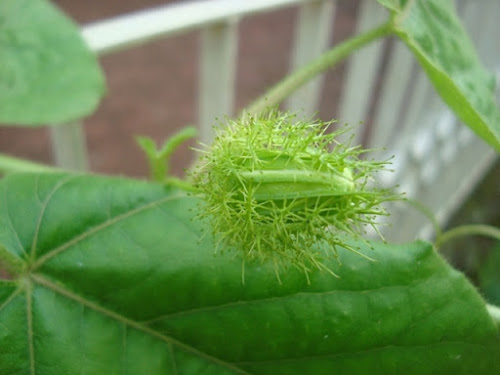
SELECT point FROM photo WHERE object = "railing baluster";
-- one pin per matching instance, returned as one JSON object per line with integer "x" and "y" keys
{"x": 362, "y": 70}
{"x": 217, "y": 71}
{"x": 312, "y": 36}
{"x": 68, "y": 146}
{"x": 392, "y": 96}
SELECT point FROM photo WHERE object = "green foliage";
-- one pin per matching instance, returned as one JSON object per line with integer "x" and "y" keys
{"x": 159, "y": 159}
{"x": 489, "y": 276}
{"x": 115, "y": 276}
{"x": 278, "y": 189}
{"x": 435, "y": 35}
{"x": 47, "y": 74}
{"x": 117, "y": 279}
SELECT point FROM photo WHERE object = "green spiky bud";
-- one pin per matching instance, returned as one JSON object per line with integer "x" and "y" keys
{"x": 280, "y": 189}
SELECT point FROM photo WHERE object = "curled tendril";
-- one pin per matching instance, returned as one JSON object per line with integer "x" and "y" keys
{"x": 283, "y": 190}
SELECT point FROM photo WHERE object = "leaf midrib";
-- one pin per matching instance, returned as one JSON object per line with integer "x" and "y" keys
{"x": 29, "y": 318}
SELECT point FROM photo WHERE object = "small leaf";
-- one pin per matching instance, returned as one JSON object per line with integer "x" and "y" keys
{"x": 148, "y": 146}
{"x": 159, "y": 159}
{"x": 121, "y": 281}
{"x": 434, "y": 33}
{"x": 47, "y": 74}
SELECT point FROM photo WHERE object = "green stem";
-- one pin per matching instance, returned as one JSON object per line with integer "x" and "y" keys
{"x": 494, "y": 312}
{"x": 468, "y": 230}
{"x": 158, "y": 170}
{"x": 294, "y": 81}
{"x": 181, "y": 184}
{"x": 9, "y": 164}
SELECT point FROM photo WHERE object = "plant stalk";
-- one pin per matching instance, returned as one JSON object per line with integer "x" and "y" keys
{"x": 9, "y": 164}
{"x": 468, "y": 230}
{"x": 287, "y": 86}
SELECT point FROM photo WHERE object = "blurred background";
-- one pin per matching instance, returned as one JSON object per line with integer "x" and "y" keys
{"x": 152, "y": 88}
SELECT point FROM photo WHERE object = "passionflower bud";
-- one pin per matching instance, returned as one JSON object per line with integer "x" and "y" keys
{"x": 285, "y": 190}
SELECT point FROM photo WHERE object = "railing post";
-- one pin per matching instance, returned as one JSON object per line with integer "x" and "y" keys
{"x": 68, "y": 146}
{"x": 312, "y": 37}
{"x": 362, "y": 70}
{"x": 217, "y": 70}
{"x": 391, "y": 98}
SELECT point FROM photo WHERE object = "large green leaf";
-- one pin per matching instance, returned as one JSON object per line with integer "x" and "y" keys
{"x": 47, "y": 74}
{"x": 434, "y": 33}
{"x": 118, "y": 279}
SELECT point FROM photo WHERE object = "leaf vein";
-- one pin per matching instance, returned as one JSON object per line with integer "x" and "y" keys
{"x": 102, "y": 226}
{"x": 29, "y": 317}
{"x": 351, "y": 353}
{"x": 174, "y": 361}
{"x": 266, "y": 300}
{"x": 14, "y": 294}
{"x": 131, "y": 323}
{"x": 43, "y": 210}
{"x": 11, "y": 224}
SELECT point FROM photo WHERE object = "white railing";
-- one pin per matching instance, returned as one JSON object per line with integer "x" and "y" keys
{"x": 437, "y": 160}
{"x": 217, "y": 21}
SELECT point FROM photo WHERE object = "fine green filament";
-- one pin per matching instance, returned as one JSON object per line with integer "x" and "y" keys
{"x": 468, "y": 230}
{"x": 286, "y": 191}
